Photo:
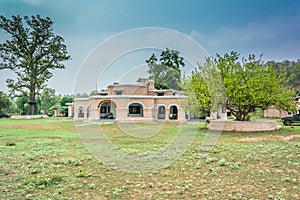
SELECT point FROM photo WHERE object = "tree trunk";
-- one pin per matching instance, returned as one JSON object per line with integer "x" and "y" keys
{"x": 31, "y": 108}
{"x": 239, "y": 114}
{"x": 32, "y": 102}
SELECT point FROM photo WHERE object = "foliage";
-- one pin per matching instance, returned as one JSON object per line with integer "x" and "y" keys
{"x": 93, "y": 92}
{"x": 246, "y": 85}
{"x": 166, "y": 71}
{"x": 82, "y": 95}
{"x": 65, "y": 99}
{"x": 292, "y": 70}
{"x": 252, "y": 84}
{"x": 4, "y": 102}
{"x": 48, "y": 100}
{"x": 22, "y": 103}
{"x": 31, "y": 53}
{"x": 45, "y": 180}
{"x": 198, "y": 100}
{"x": 204, "y": 88}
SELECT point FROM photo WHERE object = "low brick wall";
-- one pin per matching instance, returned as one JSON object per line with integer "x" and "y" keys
{"x": 243, "y": 126}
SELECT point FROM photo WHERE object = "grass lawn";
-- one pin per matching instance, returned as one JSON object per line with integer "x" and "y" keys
{"x": 46, "y": 159}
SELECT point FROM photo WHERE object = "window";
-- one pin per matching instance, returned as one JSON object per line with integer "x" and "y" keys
{"x": 160, "y": 94}
{"x": 135, "y": 109}
{"x": 161, "y": 112}
{"x": 118, "y": 92}
{"x": 80, "y": 112}
{"x": 173, "y": 112}
{"x": 105, "y": 109}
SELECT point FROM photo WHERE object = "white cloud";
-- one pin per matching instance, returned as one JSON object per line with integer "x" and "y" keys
{"x": 197, "y": 36}
{"x": 265, "y": 36}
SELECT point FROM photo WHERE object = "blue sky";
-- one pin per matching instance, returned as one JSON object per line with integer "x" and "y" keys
{"x": 247, "y": 26}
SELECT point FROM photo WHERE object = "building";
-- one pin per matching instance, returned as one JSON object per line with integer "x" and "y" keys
{"x": 130, "y": 103}
{"x": 275, "y": 113}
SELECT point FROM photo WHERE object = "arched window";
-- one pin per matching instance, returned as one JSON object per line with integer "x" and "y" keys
{"x": 80, "y": 112}
{"x": 107, "y": 110}
{"x": 161, "y": 114}
{"x": 173, "y": 112}
{"x": 135, "y": 109}
{"x": 104, "y": 109}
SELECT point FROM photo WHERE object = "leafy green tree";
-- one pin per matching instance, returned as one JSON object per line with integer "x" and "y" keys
{"x": 63, "y": 107}
{"x": 22, "y": 103}
{"x": 31, "y": 53}
{"x": 48, "y": 100}
{"x": 204, "y": 88}
{"x": 198, "y": 100}
{"x": 166, "y": 71}
{"x": 241, "y": 87}
{"x": 251, "y": 84}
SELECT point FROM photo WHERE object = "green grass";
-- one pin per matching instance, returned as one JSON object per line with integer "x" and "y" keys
{"x": 45, "y": 159}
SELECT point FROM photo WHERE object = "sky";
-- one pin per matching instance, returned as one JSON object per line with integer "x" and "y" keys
{"x": 267, "y": 27}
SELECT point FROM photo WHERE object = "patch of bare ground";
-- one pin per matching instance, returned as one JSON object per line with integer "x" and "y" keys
{"x": 270, "y": 138}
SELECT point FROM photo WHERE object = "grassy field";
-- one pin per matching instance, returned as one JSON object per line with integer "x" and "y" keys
{"x": 45, "y": 159}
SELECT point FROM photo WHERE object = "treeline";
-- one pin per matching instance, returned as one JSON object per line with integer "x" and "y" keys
{"x": 45, "y": 103}
{"x": 292, "y": 69}
{"x": 84, "y": 95}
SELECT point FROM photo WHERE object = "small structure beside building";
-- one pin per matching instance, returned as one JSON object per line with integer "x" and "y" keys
{"x": 275, "y": 113}
{"x": 70, "y": 109}
{"x": 130, "y": 103}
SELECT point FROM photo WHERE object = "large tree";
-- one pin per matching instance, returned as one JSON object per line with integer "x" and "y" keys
{"x": 166, "y": 71}
{"x": 31, "y": 53}
{"x": 252, "y": 84}
{"x": 248, "y": 84}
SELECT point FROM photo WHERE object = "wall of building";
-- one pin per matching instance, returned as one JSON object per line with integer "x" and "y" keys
{"x": 128, "y": 89}
{"x": 274, "y": 113}
{"x": 84, "y": 103}
{"x": 121, "y": 104}
{"x": 143, "y": 94}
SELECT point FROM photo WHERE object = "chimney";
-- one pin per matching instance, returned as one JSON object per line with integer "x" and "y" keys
{"x": 151, "y": 85}
{"x": 143, "y": 81}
